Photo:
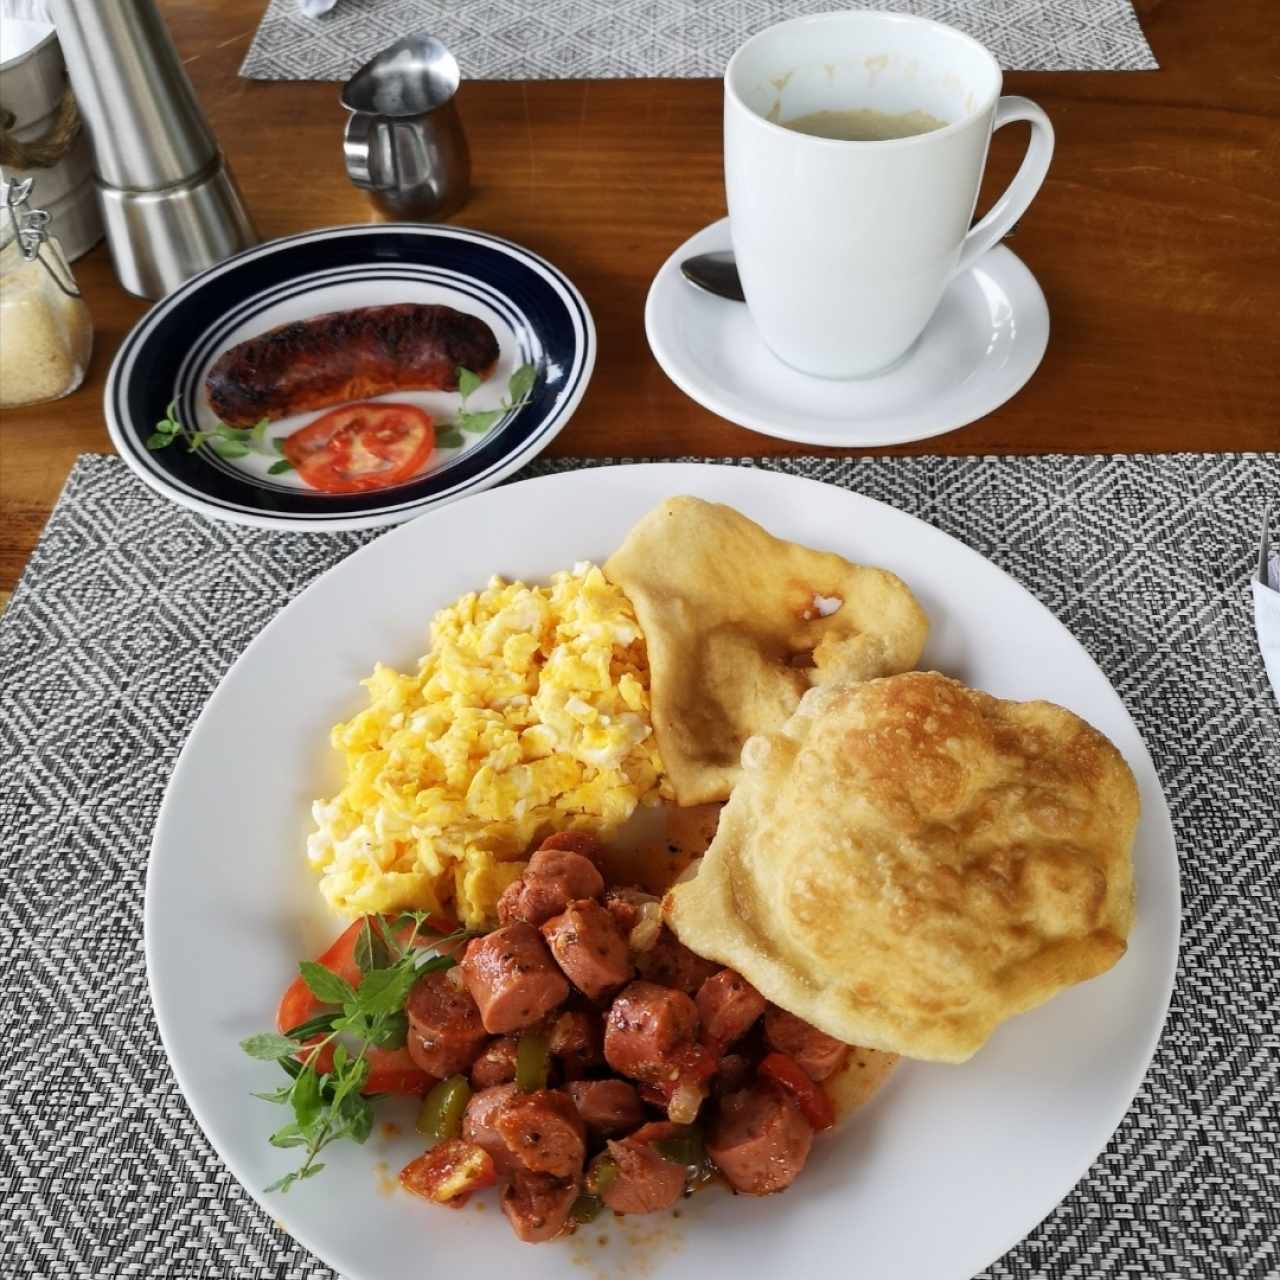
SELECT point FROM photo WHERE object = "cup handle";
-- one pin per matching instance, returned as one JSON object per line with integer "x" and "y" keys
{"x": 356, "y": 142}
{"x": 1026, "y": 182}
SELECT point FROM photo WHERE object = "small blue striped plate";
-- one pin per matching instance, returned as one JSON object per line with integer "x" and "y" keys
{"x": 537, "y": 314}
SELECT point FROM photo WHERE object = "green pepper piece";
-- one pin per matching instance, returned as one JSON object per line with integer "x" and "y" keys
{"x": 533, "y": 1061}
{"x": 683, "y": 1148}
{"x": 602, "y": 1176}
{"x": 586, "y": 1209}
{"x": 440, "y": 1115}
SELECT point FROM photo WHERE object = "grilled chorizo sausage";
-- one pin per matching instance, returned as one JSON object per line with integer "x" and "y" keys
{"x": 347, "y": 355}
{"x": 759, "y": 1140}
{"x": 819, "y": 1054}
{"x": 728, "y": 1006}
{"x": 587, "y": 945}
{"x": 544, "y": 1132}
{"x": 606, "y": 1106}
{"x": 512, "y": 977}
{"x": 553, "y": 879}
{"x": 537, "y": 1205}
{"x": 646, "y": 1024}
{"x": 445, "y": 1032}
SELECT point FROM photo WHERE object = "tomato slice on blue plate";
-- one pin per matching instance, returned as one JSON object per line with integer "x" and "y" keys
{"x": 362, "y": 446}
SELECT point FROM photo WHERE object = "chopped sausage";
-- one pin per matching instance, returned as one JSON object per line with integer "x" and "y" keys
{"x": 512, "y": 977}
{"x": 544, "y": 1132}
{"x": 645, "y": 1025}
{"x": 537, "y": 1205}
{"x": 646, "y": 1181}
{"x": 478, "y": 1124}
{"x": 625, "y": 905}
{"x": 576, "y": 1041}
{"x": 819, "y": 1054}
{"x": 759, "y": 1140}
{"x": 553, "y": 879}
{"x": 496, "y": 1063}
{"x": 728, "y": 1006}
{"x": 445, "y": 1031}
{"x": 582, "y": 842}
{"x": 732, "y": 1073}
{"x": 671, "y": 964}
{"x": 587, "y": 945}
{"x": 607, "y": 1107}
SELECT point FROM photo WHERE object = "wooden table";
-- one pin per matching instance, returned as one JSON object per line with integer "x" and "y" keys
{"x": 1154, "y": 239}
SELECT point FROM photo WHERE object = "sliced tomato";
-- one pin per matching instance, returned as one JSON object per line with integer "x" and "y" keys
{"x": 450, "y": 1172}
{"x": 808, "y": 1096}
{"x": 390, "y": 1070}
{"x": 362, "y": 446}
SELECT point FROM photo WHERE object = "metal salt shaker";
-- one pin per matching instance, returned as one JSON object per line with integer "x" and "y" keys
{"x": 169, "y": 203}
{"x": 404, "y": 141}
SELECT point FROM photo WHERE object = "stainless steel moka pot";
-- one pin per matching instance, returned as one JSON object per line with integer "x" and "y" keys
{"x": 169, "y": 204}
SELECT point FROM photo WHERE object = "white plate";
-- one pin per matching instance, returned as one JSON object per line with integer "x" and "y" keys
{"x": 984, "y": 341}
{"x": 948, "y": 1167}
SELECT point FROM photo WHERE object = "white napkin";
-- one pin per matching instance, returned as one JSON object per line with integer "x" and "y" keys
{"x": 1266, "y": 615}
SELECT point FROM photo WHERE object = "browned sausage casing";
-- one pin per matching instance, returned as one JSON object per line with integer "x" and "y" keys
{"x": 348, "y": 355}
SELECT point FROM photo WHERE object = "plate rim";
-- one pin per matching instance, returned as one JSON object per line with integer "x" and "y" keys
{"x": 377, "y": 518}
{"x": 1066, "y": 1179}
{"x": 708, "y": 395}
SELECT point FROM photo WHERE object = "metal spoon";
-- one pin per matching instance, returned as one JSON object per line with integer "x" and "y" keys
{"x": 714, "y": 273}
{"x": 718, "y": 273}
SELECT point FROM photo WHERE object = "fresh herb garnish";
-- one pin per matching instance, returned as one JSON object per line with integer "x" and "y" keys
{"x": 226, "y": 441}
{"x": 329, "y": 1106}
{"x": 519, "y": 388}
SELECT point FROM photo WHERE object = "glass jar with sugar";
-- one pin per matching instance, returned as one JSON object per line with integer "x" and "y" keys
{"x": 46, "y": 335}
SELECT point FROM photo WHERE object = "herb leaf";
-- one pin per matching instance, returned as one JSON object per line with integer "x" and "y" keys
{"x": 479, "y": 421}
{"x": 371, "y": 947}
{"x": 521, "y": 383}
{"x": 280, "y": 467}
{"x": 468, "y": 382}
{"x": 305, "y": 1098}
{"x": 288, "y": 1136}
{"x": 450, "y": 439}
{"x": 269, "y": 1047}
{"x": 324, "y": 984}
{"x": 394, "y": 1033}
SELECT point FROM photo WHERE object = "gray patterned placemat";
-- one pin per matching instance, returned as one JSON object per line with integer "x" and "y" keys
{"x": 131, "y": 609}
{"x": 617, "y": 39}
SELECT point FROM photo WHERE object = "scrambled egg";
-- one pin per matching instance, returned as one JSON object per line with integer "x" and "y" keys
{"x": 530, "y": 714}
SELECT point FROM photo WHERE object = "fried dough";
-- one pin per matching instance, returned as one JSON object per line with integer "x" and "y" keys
{"x": 739, "y": 624}
{"x": 909, "y": 862}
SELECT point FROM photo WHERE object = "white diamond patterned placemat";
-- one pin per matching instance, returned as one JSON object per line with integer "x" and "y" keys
{"x": 618, "y": 39}
{"x": 131, "y": 610}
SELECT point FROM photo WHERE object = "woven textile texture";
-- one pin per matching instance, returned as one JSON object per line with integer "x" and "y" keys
{"x": 617, "y": 39}
{"x": 132, "y": 609}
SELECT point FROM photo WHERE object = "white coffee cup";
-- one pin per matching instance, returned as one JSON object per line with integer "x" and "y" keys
{"x": 845, "y": 248}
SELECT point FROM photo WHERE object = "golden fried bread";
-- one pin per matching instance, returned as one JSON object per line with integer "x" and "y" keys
{"x": 739, "y": 624}
{"x": 909, "y": 862}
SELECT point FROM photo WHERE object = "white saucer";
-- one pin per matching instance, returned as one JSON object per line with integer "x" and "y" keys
{"x": 984, "y": 341}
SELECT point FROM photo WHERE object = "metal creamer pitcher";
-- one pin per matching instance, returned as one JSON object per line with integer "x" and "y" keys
{"x": 404, "y": 142}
